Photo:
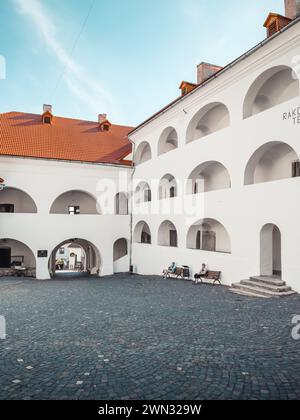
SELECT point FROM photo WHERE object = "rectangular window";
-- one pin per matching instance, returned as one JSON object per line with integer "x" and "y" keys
{"x": 7, "y": 208}
{"x": 74, "y": 210}
{"x": 296, "y": 169}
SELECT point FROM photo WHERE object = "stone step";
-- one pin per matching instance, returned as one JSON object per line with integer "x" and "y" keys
{"x": 260, "y": 291}
{"x": 267, "y": 286}
{"x": 275, "y": 281}
{"x": 250, "y": 294}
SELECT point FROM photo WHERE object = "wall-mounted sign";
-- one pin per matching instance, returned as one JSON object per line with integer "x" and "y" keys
{"x": 42, "y": 254}
{"x": 293, "y": 115}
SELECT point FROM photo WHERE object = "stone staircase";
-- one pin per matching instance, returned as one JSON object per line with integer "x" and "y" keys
{"x": 263, "y": 287}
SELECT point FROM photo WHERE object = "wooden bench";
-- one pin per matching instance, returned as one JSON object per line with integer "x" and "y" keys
{"x": 181, "y": 272}
{"x": 215, "y": 276}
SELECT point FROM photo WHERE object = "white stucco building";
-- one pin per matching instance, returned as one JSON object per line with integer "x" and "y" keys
{"x": 215, "y": 178}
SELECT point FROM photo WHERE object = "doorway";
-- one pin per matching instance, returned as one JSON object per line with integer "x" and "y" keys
{"x": 270, "y": 251}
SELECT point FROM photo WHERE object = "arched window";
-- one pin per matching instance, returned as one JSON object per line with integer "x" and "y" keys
{"x": 211, "y": 118}
{"x": 273, "y": 87}
{"x": 143, "y": 193}
{"x": 168, "y": 141}
{"x": 121, "y": 204}
{"x": 142, "y": 234}
{"x": 13, "y": 200}
{"x": 272, "y": 161}
{"x": 208, "y": 235}
{"x": 75, "y": 203}
{"x": 143, "y": 153}
{"x": 167, "y": 234}
{"x": 167, "y": 187}
{"x": 208, "y": 176}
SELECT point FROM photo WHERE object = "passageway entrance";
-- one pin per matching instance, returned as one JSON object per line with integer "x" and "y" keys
{"x": 270, "y": 251}
{"x": 75, "y": 258}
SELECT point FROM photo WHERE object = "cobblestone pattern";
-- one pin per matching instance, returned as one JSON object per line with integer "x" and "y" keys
{"x": 136, "y": 337}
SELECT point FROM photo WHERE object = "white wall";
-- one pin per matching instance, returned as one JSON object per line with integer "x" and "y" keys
{"x": 242, "y": 210}
{"x": 47, "y": 180}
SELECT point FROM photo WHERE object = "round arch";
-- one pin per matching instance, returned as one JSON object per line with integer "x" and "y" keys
{"x": 271, "y": 162}
{"x": 168, "y": 187}
{"x": 90, "y": 263}
{"x": 143, "y": 153}
{"x": 14, "y": 200}
{"x": 142, "y": 233}
{"x": 168, "y": 141}
{"x": 208, "y": 235}
{"x": 270, "y": 250}
{"x": 14, "y": 255}
{"x": 143, "y": 193}
{"x": 167, "y": 234}
{"x": 75, "y": 202}
{"x": 209, "y": 119}
{"x": 273, "y": 87}
{"x": 208, "y": 176}
{"x": 121, "y": 204}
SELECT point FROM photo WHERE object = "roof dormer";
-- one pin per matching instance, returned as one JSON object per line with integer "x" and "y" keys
{"x": 47, "y": 114}
{"x": 187, "y": 87}
{"x": 275, "y": 23}
{"x": 104, "y": 124}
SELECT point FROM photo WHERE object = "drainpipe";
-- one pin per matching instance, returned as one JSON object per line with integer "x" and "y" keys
{"x": 131, "y": 206}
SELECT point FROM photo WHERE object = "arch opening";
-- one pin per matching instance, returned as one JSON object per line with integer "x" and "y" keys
{"x": 75, "y": 202}
{"x": 168, "y": 141}
{"x": 270, "y": 251}
{"x": 142, "y": 233}
{"x": 75, "y": 257}
{"x": 143, "y": 193}
{"x": 16, "y": 259}
{"x": 120, "y": 255}
{"x": 13, "y": 200}
{"x": 121, "y": 204}
{"x": 210, "y": 119}
{"x": 208, "y": 176}
{"x": 271, "y": 162}
{"x": 273, "y": 87}
{"x": 167, "y": 234}
{"x": 209, "y": 235}
{"x": 143, "y": 153}
{"x": 167, "y": 187}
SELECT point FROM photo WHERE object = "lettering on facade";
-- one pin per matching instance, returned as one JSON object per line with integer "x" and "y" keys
{"x": 293, "y": 115}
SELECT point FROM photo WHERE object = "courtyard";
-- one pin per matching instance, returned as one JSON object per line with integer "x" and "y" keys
{"x": 131, "y": 337}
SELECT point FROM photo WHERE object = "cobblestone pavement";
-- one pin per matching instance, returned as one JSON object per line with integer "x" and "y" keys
{"x": 136, "y": 337}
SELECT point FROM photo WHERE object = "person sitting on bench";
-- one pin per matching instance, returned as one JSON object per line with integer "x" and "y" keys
{"x": 199, "y": 276}
{"x": 171, "y": 270}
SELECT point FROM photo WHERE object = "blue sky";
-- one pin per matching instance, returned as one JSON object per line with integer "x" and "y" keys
{"x": 131, "y": 55}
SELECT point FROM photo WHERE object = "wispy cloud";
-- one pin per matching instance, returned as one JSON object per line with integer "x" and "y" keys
{"x": 79, "y": 81}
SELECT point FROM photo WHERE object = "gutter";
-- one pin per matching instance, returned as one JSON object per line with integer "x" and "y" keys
{"x": 215, "y": 76}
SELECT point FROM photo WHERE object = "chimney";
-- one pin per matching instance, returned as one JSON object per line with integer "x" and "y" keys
{"x": 102, "y": 118}
{"x": 187, "y": 87}
{"x": 292, "y": 8}
{"x": 47, "y": 108}
{"x": 275, "y": 23}
{"x": 205, "y": 71}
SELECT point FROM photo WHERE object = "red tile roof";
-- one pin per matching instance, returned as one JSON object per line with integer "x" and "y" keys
{"x": 25, "y": 135}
